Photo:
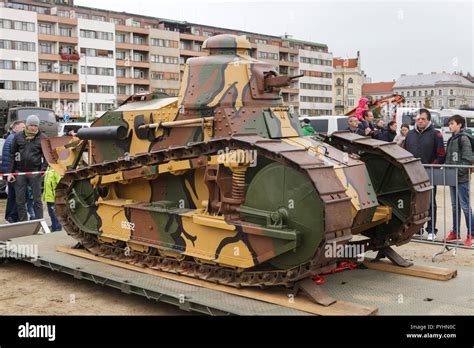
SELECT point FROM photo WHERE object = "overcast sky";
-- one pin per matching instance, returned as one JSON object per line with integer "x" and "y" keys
{"x": 393, "y": 37}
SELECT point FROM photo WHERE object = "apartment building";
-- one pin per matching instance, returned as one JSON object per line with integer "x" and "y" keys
{"x": 92, "y": 59}
{"x": 315, "y": 86}
{"x": 18, "y": 55}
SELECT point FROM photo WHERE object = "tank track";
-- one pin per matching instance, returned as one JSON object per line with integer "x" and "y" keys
{"x": 335, "y": 200}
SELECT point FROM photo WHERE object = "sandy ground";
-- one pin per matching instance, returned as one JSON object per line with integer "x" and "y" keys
{"x": 29, "y": 290}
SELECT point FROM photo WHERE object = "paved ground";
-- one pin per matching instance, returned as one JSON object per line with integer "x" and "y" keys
{"x": 31, "y": 290}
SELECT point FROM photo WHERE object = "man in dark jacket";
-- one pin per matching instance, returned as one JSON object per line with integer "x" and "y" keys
{"x": 426, "y": 143}
{"x": 11, "y": 213}
{"x": 459, "y": 151}
{"x": 389, "y": 133}
{"x": 26, "y": 155}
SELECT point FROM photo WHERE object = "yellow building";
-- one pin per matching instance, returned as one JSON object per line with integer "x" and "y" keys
{"x": 348, "y": 78}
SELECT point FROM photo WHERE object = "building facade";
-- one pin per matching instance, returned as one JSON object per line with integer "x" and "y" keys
{"x": 436, "y": 90}
{"x": 348, "y": 78}
{"x": 83, "y": 60}
{"x": 377, "y": 90}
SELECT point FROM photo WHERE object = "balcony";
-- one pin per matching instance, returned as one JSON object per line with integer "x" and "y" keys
{"x": 132, "y": 81}
{"x": 128, "y": 63}
{"x": 126, "y": 28}
{"x": 288, "y": 50}
{"x": 49, "y": 56}
{"x": 75, "y": 56}
{"x": 57, "y": 19}
{"x": 189, "y": 36}
{"x": 59, "y": 95}
{"x": 57, "y": 38}
{"x": 132, "y": 46}
{"x": 289, "y": 103}
{"x": 192, "y": 53}
{"x": 289, "y": 63}
{"x": 289, "y": 90}
{"x": 57, "y": 76}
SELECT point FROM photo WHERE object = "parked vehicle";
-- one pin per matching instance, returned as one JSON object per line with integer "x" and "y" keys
{"x": 327, "y": 124}
{"x": 48, "y": 122}
{"x": 447, "y": 113}
{"x": 65, "y": 128}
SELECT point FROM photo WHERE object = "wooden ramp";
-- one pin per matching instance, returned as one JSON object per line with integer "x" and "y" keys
{"x": 276, "y": 296}
{"x": 430, "y": 272}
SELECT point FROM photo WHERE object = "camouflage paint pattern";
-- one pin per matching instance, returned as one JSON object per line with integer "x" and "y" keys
{"x": 167, "y": 205}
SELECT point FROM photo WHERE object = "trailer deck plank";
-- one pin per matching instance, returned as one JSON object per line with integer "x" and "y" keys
{"x": 429, "y": 272}
{"x": 271, "y": 295}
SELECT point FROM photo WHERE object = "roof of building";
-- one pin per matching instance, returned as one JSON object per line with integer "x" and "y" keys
{"x": 309, "y": 43}
{"x": 185, "y": 23}
{"x": 432, "y": 79}
{"x": 377, "y": 87}
{"x": 344, "y": 62}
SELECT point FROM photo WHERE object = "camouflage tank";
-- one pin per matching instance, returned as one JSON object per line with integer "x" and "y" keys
{"x": 220, "y": 184}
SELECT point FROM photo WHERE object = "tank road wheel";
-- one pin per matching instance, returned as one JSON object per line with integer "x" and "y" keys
{"x": 81, "y": 205}
{"x": 278, "y": 188}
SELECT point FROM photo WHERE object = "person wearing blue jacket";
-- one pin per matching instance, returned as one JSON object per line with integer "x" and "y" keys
{"x": 11, "y": 212}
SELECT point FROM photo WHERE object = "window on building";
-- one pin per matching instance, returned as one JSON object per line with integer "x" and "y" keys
{"x": 66, "y": 87}
{"x": 117, "y": 21}
{"x": 47, "y": 86}
{"x": 138, "y": 57}
{"x": 338, "y": 81}
{"x": 440, "y": 92}
{"x": 408, "y": 93}
{"x": 122, "y": 90}
{"x": 45, "y": 28}
{"x": 350, "y": 80}
{"x": 451, "y": 92}
{"x": 97, "y": 18}
{"x": 121, "y": 55}
{"x": 139, "y": 40}
{"x": 46, "y": 67}
{"x": 350, "y": 102}
{"x": 65, "y": 31}
{"x": 46, "y": 47}
{"x": 419, "y": 93}
{"x": 338, "y": 91}
{"x": 350, "y": 91}
{"x": 66, "y": 68}
{"x": 139, "y": 74}
{"x": 121, "y": 72}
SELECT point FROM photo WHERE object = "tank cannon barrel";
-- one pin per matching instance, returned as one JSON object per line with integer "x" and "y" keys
{"x": 102, "y": 133}
{"x": 272, "y": 81}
